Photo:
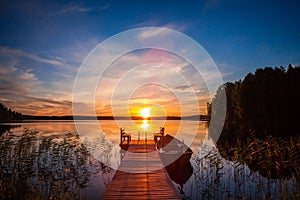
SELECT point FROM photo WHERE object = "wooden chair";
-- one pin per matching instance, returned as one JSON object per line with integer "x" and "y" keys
{"x": 160, "y": 134}
{"x": 124, "y": 136}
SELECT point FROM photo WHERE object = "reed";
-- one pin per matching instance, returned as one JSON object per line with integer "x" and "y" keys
{"x": 261, "y": 168}
{"x": 33, "y": 166}
{"x": 272, "y": 156}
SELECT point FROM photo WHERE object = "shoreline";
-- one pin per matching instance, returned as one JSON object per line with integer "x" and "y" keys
{"x": 27, "y": 118}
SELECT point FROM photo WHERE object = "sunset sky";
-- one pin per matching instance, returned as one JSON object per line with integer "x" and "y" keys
{"x": 43, "y": 43}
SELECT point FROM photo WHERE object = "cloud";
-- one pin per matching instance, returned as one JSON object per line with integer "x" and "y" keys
{"x": 24, "y": 71}
{"x": 70, "y": 9}
{"x": 211, "y": 3}
{"x": 130, "y": 72}
{"x": 50, "y": 91}
{"x": 17, "y": 81}
{"x": 41, "y": 86}
{"x": 74, "y": 9}
{"x": 183, "y": 87}
{"x": 20, "y": 82}
{"x": 157, "y": 22}
{"x": 21, "y": 90}
{"x": 49, "y": 101}
{"x": 105, "y": 7}
{"x": 153, "y": 33}
{"x": 149, "y": 76}
{"x": 19, "y": 52}
{"x": 41, "y": 106}
{"x": 162, "y": 31}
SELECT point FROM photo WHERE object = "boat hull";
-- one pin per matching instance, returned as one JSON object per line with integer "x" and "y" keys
{"x": 175, "y": 156}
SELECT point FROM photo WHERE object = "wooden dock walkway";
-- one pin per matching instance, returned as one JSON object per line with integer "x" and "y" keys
{"x": 136, "y": 179}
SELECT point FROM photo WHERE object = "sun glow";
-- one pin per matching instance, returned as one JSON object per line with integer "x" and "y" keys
{"x": 145, "y": 125}
{"x": 145, "y": 113}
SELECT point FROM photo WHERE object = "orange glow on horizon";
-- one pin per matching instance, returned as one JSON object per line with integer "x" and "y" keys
{"x": 153, "y": 100}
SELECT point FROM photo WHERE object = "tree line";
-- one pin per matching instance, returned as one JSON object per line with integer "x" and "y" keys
{"x": 265, "y": 103}
{"x": 6, "y": 114}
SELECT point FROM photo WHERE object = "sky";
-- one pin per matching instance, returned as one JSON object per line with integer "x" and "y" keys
{"x": 44, "y": 43}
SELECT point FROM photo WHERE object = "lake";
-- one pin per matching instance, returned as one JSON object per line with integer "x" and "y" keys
{"x": 43, "y": 159}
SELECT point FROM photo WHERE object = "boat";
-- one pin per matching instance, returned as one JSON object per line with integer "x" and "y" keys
{"x": 175, "y": 155}
{"x": 171, "y": 149}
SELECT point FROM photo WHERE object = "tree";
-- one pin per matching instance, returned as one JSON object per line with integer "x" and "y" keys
{"x": 267, "y": 101}
{"x": 8, "y": 114}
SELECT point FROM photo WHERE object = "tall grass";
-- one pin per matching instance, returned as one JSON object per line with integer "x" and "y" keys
{"x": 273, "y": 157}
{"x": 261, "y": 168}
{"x": 37, "y": 167}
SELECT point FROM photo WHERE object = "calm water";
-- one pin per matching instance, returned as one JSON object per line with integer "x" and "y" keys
{"x": 49, "y": 159}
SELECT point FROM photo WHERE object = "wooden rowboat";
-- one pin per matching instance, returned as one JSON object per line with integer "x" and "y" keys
{"x": 175, "y": 155}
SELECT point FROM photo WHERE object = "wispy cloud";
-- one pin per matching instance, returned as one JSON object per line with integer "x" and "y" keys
{"x": 19, "y": 52}
{"x": 163, "y": 31}
{"x": 153, "y": 33}
{"x": 29, "y": 82}
{"x": 211, "y": 3}
{"x": 183, "y": 87}
{"x": 21, "y": 90}
{"x": 153, "y": 77}
{"x": 46, "y": 74}
{"x": 156, "y": 21}
{"x": 104, "y": 7}
{"x": 32, "y": 105}
{"x": 74, "y": 9}
{"x": 50, "y": 92}
{"x": 17, "y": 81}
{"x": 70, "y": 9}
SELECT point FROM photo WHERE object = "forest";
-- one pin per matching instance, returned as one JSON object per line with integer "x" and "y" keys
{"x": 266, "y": 102}
{"x": 261, "y": 126}
{"x": 6, "y": 114}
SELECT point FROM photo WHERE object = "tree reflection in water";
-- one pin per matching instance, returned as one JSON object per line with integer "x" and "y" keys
{"x": 37, "y": 167}
{"x": 7, "y": 128}
{"x": 216, "y": 177}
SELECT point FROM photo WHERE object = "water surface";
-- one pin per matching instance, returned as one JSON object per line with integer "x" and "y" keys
{"x": 44, "y": 159}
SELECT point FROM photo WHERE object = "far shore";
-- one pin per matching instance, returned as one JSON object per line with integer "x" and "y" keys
{"x": 32, "y": 118}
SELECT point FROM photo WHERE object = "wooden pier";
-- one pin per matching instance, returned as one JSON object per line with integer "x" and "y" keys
{"x": 141, "y": 175}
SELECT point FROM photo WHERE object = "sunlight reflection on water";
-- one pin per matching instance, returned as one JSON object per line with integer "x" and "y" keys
{"x": 55, "y": 151}
{"x": 105, "y": 146}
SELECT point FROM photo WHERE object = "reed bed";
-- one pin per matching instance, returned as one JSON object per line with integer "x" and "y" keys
{"x": 261, "y": 168}
{"x": 37, "y": 167}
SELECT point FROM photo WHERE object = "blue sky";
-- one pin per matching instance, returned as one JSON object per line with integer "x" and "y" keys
{"x": 42, "y": 43}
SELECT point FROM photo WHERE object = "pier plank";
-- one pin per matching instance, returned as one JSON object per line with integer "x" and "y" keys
{"x": 141, "y": 175}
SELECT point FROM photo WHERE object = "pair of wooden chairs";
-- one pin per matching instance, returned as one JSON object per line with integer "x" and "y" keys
{"x": 127, "y": 137}
{"x": 159, "y": 135}
{"x": 124, "y": 136}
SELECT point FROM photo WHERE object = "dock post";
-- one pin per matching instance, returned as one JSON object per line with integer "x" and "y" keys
{"x": 120, "y": 135}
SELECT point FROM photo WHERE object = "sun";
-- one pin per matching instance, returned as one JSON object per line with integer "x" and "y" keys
{"x": 145, "y": 112}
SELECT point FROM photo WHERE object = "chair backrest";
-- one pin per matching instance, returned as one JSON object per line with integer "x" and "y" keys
{"x": 122, "y": 131}
{"x": 162, "y": 131}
